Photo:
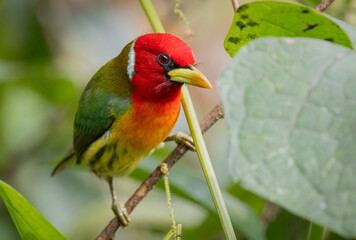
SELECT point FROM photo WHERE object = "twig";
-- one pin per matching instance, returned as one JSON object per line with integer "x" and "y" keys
{"x": 323, "y": 5}
{"x": 109, "y": 232}
{"x": 178, "y": 11}
{"x": 235, "y": 4}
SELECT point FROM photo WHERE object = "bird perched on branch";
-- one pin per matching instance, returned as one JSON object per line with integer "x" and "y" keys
{"x": 130, "y": 106}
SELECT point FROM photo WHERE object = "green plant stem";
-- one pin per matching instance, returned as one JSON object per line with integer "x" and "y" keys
{"x": 206, "y": 164}
{"x": 152, "y": 16}
{"x": 316, "y": 232}
{"x": 197, "y": 137}
{"x": 169, "y": 235}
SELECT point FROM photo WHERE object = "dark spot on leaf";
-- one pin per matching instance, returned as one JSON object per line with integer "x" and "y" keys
{"x": 252, "y": 23}
{"x": 234, "y": 40}
{"x": 242, "y": 8}
{"x": 310, "y": 27}
{"x": 305, "y": 11}
{"x": 329, "y": 39}
{"x": 244, "y": 16}
{"x": 252, "y": 35}
{"x": 240, "y": 24}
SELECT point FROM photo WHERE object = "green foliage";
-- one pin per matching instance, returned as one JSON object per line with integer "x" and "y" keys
{"x": 22, "y": 101}
{"x": 21, "y": 34}
{"x": 185, "y": 184}
{"x": 290, "y": 109}
{"x": 287, "y": 226}
{"x": 280, "y": 19}
{"x": 34, "y": 97}
{"x": 315, "y": 232}
{"x": 29, "y": 222}
{"x": 42, "y": 72}
{"x": 255, "y": 202}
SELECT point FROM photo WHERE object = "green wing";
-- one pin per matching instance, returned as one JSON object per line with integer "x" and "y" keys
{"x": 97, "y": 111}
{"x": 106, "y": 98}
{"x": 91, "y": 121}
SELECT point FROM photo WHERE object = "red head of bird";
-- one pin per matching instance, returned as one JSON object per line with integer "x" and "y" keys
{"x": 158, "y": 66}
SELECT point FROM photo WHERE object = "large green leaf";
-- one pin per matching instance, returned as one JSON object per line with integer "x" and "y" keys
{"x": 280, "y": 19}
{"x": 291, "y": 111}
{"x": 29, "y": 222}
{"x": 191, "y": 187}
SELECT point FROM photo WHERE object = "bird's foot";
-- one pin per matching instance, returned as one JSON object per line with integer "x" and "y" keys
{"x": 182, "y": 138}
{"x": 121, "y": 213}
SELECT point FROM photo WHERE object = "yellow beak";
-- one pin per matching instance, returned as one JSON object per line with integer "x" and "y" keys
{"x": 190, "y": 76}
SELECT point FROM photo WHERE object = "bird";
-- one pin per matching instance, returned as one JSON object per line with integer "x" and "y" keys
{"x": 130, "y": 106}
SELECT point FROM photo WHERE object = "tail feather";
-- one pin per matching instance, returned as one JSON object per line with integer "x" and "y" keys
{"x": 64, "y": 163}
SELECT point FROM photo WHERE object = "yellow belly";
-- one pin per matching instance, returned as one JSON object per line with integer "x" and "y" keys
{"x": 120, "y": 149}
{"x": 109, "y": 158}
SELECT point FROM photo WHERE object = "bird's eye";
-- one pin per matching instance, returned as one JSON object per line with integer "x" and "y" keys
{"x": 163, "y": 59}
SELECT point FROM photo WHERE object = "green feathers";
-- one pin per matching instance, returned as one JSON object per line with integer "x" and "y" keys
{"x": 106, "y": 98}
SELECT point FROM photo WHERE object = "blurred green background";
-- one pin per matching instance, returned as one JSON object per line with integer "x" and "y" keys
{"x": 48, "y": 51}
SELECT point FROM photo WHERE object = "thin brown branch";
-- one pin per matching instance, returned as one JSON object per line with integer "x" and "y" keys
{"x": 235, "y": 5}
{"x": 323, "y": 5}
{"x": 109, "y": 232}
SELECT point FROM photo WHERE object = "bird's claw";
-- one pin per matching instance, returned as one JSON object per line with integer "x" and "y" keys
{"x": 121, "y": 213}
{"x": 183, "y": 138}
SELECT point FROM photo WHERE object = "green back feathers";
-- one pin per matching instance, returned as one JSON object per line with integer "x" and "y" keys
{"x": 105, "y": 99}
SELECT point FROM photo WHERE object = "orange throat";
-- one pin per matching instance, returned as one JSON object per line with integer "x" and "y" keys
{"x": 147, "y": 124}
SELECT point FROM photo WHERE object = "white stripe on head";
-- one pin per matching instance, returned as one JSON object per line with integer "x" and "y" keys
{"x": 131, "y": 62}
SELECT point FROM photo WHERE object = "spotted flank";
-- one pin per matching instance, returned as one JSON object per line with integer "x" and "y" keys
{"x": 108, "y": 158}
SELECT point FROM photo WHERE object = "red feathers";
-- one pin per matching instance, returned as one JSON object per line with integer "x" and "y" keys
{"x": 157, "y": 43}
{"x": 150, "y": 80}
